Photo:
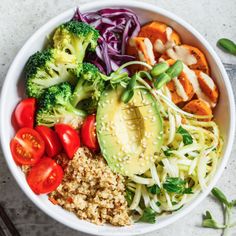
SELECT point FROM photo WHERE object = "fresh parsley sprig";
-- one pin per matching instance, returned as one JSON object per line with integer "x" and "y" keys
{"x": 176, "y": 185}
{"x": 148, "y": 216}
{"x": 129, "y": 195}
{"x": 154, "y": 189}
{"x": 208, "y": 219}
{"x": 187, "y": 138}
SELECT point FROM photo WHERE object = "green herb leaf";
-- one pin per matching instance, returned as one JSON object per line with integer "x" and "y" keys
{"x": 187, "y": 138}
{"x": 210, "y": 222}
{"x": 220, "y": 196}
{"x": 154, "y": 189}
{"x": 149, "y": 216}
{"x": 176, "y": 185}
{"x": 227, "y": 45}
{"x": 158, "y": 204}
{"x": 207, "y": 215}
{"x": 167, "y": 152}
{"x": 129, "y": 195}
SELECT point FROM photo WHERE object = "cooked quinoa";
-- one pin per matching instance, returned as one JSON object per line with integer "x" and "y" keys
{"x": 92, "y": 191}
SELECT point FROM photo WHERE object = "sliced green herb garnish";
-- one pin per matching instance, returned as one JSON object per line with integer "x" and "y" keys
{"x": 176, "y": 185}
{"x": 187, "y": 138}
{"x": 210, "y": 222}
{"x": 208, "y": 219}
{"x": 167, "y": 152}
{"x": 129, "y": 195}
{"x": 154, "y": 189}
{"x": 149, "y": 216}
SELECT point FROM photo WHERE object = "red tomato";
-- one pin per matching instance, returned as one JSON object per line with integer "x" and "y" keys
{"x": 27, "y": 147}
{"x": 88, "y": 133}
{"x": 69, "y": 138}
{"x": 52, "y": 142}
{"x": 45, "y": 176}
{"x": 24, "y": 113}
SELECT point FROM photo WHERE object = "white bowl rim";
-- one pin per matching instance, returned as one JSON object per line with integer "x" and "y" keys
{"x": 229, "y": 145}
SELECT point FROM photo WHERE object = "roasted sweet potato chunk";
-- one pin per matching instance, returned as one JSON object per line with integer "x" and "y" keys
{"x": 157, "y": 30}
{"x": 198, "y": 107}
{"x": 208, "y": 86}
{"x": 141, "y": 49}
{"x": 200, "y": 57}
{"x": 187, "y": 86}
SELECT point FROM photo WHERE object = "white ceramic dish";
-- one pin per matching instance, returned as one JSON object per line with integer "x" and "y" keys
{"x": 13, "y": 88}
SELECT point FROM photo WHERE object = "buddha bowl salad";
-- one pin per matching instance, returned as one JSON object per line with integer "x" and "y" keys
{"x": 118, "y": 123}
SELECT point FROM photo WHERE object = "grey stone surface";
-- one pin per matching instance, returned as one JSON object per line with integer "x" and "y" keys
{"x": 20, "y": 18}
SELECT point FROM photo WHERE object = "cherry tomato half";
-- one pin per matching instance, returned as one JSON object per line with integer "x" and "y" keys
{"x": 52, "y": 142}
{"x": 27, "y": 147}
{"x": 45, "y": 176}
{"x": 69, "y": 138}
{"x": 88, "y": 133}
{"x": 24, "y": 113}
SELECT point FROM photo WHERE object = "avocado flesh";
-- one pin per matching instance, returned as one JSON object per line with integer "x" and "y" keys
{"x": 129, "y": 135}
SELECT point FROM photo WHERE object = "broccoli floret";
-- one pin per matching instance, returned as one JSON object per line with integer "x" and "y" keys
{"x": 75, "y": 37}
{"x": 55, "y": 107}
{"x": 89, "y": 105}
{"x": 91, "y": 83}
{"x": 47, "y": 68}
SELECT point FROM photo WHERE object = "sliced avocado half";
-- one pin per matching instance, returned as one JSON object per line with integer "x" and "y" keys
{"x": 130, "y": 135}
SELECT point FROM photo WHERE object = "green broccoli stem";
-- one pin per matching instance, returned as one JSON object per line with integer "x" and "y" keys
{"x": 78, "y": 112}
{"x": 81, "y": 50}
{"x": 81, "y": 92}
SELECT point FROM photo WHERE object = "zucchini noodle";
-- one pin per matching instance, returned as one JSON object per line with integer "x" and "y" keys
{"x": 195, "y": 163}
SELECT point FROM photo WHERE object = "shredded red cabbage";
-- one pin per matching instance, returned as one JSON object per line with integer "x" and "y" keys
{"x": 116, "y": 26}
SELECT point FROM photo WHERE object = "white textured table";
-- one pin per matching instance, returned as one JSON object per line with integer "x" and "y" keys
{"x": 20, "y": 18}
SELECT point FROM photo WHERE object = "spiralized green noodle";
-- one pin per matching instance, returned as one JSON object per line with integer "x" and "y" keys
{"x": 195, "y": 163}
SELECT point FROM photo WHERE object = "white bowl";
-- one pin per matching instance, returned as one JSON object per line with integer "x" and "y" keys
{"x": 13, "y": 90}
